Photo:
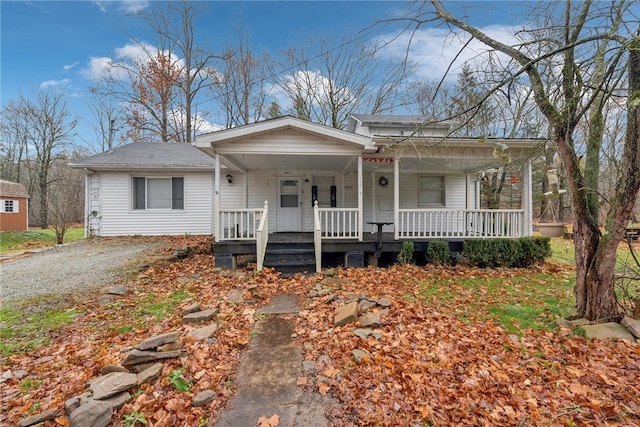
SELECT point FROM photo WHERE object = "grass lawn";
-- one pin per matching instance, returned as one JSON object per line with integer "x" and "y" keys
{"x": 16, "y": 241}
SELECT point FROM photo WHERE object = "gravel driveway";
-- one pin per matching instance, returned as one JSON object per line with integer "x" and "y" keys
{"x": 75, "y": 266}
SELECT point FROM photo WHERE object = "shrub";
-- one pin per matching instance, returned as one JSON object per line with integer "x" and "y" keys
{"x": 406, "y": 254}
{"x": 438, "y": 253}
{"x": 522, "y": 252}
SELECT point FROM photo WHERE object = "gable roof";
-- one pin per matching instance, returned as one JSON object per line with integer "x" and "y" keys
{"x": 148, "y": 155}
{"x": 281, "y": 124}
{"x": 13, "y": 189}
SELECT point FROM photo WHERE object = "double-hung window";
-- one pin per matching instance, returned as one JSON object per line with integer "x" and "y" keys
{"x": 158, "y": 193}
{"x": 431, "y": 191}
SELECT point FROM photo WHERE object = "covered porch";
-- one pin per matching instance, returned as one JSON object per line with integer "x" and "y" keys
{"x": 291, "y": 176}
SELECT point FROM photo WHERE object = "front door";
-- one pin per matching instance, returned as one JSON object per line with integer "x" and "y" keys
{"x": 289, "y": 204}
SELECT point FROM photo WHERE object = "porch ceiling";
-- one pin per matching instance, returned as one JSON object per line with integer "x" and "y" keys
{"x": 291, "y": 162}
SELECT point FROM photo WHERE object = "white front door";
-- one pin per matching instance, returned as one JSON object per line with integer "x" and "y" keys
{"x": 289, "y": 210}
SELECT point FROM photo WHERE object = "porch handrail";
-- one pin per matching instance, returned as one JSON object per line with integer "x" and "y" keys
{"x": 239, "y": 224}
{"x": 262, "y": 236}
{"x": 317, "y": 236}
{"x": 339, "y": 223}
{"x": 466, "y": 223}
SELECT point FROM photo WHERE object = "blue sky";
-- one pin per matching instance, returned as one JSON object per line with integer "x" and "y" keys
{"x": 52, "y": 43}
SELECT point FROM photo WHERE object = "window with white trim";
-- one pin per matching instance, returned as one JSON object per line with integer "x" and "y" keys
{"x": 158, "y": 193}
{"x": 9, "y": 206}
{"x": 431, "y": 191}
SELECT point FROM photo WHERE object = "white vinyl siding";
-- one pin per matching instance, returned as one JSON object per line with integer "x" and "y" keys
{"x": 118, "y": 218}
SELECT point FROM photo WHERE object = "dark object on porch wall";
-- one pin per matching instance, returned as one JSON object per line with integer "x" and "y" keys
{"x": 334, "y": 196}
{"x": 314, "y": 195}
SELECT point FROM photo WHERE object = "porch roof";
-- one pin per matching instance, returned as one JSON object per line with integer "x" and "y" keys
{"x": 254, "y": 137}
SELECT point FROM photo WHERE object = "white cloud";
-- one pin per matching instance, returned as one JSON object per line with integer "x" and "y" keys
{"x": 70, "y": 66}
{"x": 126, "y": 6}
{"x": 433, "y": 50}
{"x": 55, "y": 84}
{"x": 312, "y": 86}
{"x": 97, "y": 68}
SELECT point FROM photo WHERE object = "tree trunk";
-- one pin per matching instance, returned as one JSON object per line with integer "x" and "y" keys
{"x": 44, "y": 199}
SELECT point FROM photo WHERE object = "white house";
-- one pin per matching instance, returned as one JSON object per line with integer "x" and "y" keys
{"x": 148, "y": 189}
{"x": 247, "y": 185}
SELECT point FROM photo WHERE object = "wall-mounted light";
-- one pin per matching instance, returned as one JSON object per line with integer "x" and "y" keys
{"x": 230, "y": 179}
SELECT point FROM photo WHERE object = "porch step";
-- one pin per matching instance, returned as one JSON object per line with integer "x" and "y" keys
{"x": 290, "y": 259}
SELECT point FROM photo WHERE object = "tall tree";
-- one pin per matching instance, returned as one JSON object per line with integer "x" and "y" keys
{"x": 582, "y": 30}
{"x": 328, "y": 82}
{"x": 241, "y": 89}
{"x": 14, "y": 142}
{"x": 107, "y": 122}
{"x": 162, "y": 83}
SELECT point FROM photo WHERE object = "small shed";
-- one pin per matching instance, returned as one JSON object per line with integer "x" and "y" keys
{"x": 14, "y": 206}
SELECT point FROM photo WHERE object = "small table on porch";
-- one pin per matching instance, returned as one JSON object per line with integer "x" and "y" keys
{"x": 380, "y": 224}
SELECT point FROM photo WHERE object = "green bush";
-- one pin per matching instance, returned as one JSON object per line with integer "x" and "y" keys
{"x": 406, "y": 255}
{"x": 438, "y": 253}
{"x": 522, "y": 252}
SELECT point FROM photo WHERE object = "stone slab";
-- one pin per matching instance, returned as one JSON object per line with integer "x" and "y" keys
{"x": 632, "y": 326}
{"x": 112, "y": 384}
{"x": 135, "y": 357}
{"x": 157, "y": 341}
{"x": 609, "y": 330}
{"x": 346, "y": 314}
{"x": 281, "y": 304}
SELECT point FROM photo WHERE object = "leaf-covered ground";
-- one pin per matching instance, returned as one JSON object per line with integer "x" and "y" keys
{"x": 458, "y": 346}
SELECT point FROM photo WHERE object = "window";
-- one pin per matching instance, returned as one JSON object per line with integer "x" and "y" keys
{"x": 158, "y": 193}
{"x": 9, "y": 206}
{"x": 431, "y": 191}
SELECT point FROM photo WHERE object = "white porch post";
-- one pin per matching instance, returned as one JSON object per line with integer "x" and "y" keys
{"x": 360, "y": 198}
{"x": 396, "y": 197}
{"x": 216, "y": 198}
{"x": 527, "y": 199}
{"x": 468, "y": 192}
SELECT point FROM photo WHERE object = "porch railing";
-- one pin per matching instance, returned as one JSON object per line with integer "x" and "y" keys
{"x": 239, "y": 224}
{"x": 338, "y": 223}
{"x": 333, "y": 223}
{"x": 262, "y": 236}
{"x": 475, "y": 223}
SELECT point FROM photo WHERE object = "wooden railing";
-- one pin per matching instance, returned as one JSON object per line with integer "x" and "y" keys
{"x": 262, "y": 236}
{"x": 239, "y": 224}
{"x": 476, "y": 223}
{"x": 339, "y": 223}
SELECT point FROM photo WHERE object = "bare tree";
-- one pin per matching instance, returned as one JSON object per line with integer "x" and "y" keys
{"x": 241, "y": 89}
{"x": 51, "y": 128}
{"x": 66, "y": 197}
{"x": 327, "y": 83}
{"x": 14, "y": 132}
{"x": 582, "y": 87}
{"x": 107, "y": 122}
{"x": 162, "y": 84}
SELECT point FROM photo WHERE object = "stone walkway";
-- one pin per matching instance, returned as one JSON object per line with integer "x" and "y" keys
{"x": 268, "y": 374}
